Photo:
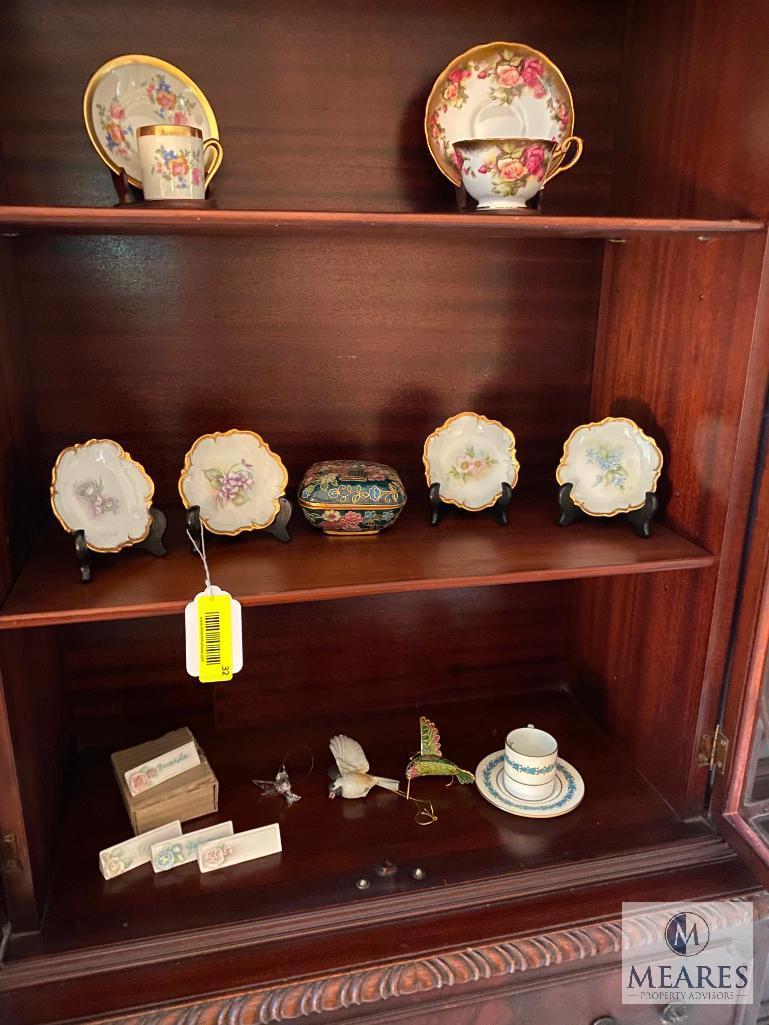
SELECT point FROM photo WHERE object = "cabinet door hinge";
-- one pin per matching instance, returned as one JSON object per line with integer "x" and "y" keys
{"x": 9, "y": 853}
{"x": 714, "y": 749}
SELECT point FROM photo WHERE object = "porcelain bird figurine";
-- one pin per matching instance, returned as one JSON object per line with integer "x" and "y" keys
{"x": 352, "y": 777}
{"x": 430, "y": 760}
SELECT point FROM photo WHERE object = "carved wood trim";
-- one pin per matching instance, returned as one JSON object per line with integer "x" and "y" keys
{"x": 371, "y": 985}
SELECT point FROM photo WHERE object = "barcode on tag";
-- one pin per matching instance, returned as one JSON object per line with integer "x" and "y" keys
{"x": 215, "y": 636}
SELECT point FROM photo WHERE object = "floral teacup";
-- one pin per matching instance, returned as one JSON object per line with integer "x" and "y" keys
{"x": 173, "y": 161}
{"x": 503, "y": 174}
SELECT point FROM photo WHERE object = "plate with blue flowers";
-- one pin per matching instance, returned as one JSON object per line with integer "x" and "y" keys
{"x": 568, "y": 793}
{"x": 611, "y": 465}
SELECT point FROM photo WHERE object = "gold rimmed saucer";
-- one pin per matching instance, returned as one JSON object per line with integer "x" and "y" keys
{"x": 134, "y": 90}
{"x": 497, "y": 90}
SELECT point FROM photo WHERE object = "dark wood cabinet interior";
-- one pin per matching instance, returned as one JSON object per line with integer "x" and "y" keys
{"x": 335, "y": 300}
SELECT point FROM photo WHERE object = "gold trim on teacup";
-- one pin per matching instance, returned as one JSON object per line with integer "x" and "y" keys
{"x": 600, "y": 423}
{"x": 228, "y": 434}
{"x": 455, "y": 177}
{"x": 153, "y": 62}
{"x": 168, "y": 130}
{"x": 439, "y": 430}
{"x": 122, "y": 454}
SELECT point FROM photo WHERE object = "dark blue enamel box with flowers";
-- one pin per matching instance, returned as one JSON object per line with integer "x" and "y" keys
{"x": 351, "y": 496}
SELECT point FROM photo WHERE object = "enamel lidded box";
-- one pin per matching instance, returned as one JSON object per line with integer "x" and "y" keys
{"x": 347, "y": 497}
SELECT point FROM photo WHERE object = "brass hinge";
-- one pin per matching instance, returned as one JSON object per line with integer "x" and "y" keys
{"x": 9, "y": 853}
{"x": 714, "y": 749}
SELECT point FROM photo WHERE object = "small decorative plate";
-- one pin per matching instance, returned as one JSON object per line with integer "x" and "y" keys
{"x": 568, "y": 793}
{"x": 470, "y": 457}
{"x": 97, "y": 488}
{"x": 235, "y": 479}
{"x": 498, "y": 90}
{"x": 129, "y": 92}
{"x": 610, "y": 465}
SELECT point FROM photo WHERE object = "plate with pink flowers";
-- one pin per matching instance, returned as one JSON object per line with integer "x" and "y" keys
{"x": 235, "y": 479}
{"x": 497, "y": 90}
{"x": 98, "y": 488}
{"x": 471, "y": 457}
{"x": 129, "y": 92}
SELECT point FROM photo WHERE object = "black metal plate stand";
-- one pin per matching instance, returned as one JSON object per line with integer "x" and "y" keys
{"x": 639, "y": 519}
{"x": 439, "y": 507}
{"x": 278, "y": 528}
{"x": 153, "y": 543}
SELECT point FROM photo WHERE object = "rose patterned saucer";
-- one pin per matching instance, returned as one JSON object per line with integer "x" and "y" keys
{"x": 611, "y": 465}
{"x": 470, "y": 457}
{"x": 97, "y": 488}
{"x": 129, "y": 92}
{"x": 235, "y": 479}
{"x": 498, "y": 90}
{"x": 568, "y": 793}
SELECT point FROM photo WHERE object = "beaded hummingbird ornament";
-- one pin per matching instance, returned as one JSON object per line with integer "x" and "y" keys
{"x": 431, "y": 761}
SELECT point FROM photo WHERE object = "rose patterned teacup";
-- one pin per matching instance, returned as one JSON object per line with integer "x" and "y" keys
{"x": 173, "y": 161}
{"x": 503, "y": 174}
{"x": 530, "y": 759}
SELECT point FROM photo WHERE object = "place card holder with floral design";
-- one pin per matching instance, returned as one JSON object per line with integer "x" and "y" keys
{"x": 439, "y": 507}
{"x": 639, "y": 519}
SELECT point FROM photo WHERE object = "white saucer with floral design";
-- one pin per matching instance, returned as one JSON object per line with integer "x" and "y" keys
{"x": 470, "y": 457}
{"x": 568, "y": 793}
{"x": 497, "y": 90}
{"x": 97, "y": 488}
{"x": 235, "y": 479}
{"x": 611, "y": 465}
{"x": 135, "y": 90}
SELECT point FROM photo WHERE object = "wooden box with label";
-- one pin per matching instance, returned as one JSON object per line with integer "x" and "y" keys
{"x": 189, "y": 795}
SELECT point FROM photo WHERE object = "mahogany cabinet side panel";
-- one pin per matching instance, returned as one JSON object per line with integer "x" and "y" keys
{"x": 701, "y": 145}
{"x": 690, "y": 368}
{"x": 35, "y": 745}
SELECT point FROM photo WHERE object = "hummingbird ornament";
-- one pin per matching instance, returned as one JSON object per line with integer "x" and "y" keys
{"x": 430, "y": 761}
{"x": 351, "y": 777}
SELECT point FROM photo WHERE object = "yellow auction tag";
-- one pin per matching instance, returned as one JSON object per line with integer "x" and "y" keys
{"x": 214, "y": 614}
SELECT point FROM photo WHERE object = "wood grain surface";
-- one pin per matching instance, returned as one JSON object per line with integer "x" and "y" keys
{"x": 465, "y": 551}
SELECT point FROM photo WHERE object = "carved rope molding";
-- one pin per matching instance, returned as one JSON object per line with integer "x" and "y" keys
{"x": 472, "y": 964}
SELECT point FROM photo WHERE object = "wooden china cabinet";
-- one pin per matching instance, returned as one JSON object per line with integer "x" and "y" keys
{"x": 335, "y": 300}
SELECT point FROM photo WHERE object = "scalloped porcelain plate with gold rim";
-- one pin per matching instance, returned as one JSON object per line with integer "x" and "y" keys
{"x": 471, "y": 457}
{"x": 96, "y": 487}
{"x": 236, "y": 480}
{"x": 128, "y": 92}
{"x": 497, "y": 90}
{"x": 611, "y": 465}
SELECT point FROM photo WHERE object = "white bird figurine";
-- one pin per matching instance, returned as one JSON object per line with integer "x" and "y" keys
{"x": 353, "y": 778}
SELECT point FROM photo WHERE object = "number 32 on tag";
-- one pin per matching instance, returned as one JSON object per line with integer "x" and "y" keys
{"x": 212, "y": 625}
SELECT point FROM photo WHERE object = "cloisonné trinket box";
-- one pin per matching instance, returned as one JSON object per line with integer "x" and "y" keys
{"x": 346, "y": 497}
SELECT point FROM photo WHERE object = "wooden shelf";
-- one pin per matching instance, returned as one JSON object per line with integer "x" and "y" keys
{"x": 469, "y": 551}
{"x": 22, "y": 220}
{"x": 473, "y": 855}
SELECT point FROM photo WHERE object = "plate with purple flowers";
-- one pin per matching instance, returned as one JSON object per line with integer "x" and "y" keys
{"x": 235, "y": 479}
{"x": 611, "y": 465}
{"x": 135, "y": 90}
{"x": 96, "y": 487}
